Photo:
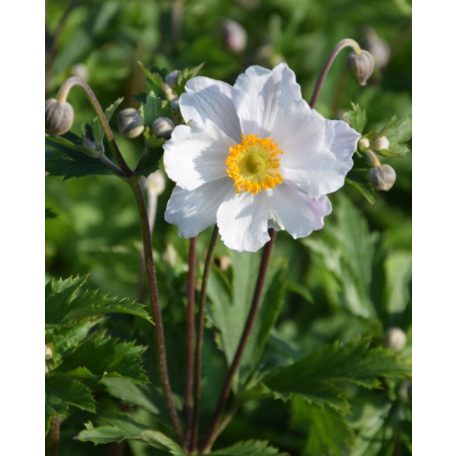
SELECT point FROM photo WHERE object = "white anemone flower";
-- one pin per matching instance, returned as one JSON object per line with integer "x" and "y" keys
{"x": 254, "y": 156}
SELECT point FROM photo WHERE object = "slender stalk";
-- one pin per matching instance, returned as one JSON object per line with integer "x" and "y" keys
{"x": 373, "y": 158}
{"x": 347, "y": 42}
{"x": 63, "y": 95}
{"x": 190, "y": 343}
{"x": 255, "y": 306}
{"x": 156, "y": 312}
{"x": 199, "y": 340}
{"x": 55, "y": 436}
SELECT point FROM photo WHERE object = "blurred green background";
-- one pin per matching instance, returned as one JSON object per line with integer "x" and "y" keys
{"x": 350, "y": 280}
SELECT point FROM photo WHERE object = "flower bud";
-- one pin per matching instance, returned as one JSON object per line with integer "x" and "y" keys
{"x": 130, "y": 123}
{"x": 162, "y": 127}
{"x": 172, "y": 78}
{"x": 382, "y": 177}
{"x": 59, "y": 117}
{"x": 174, "y": 104}
{"x": 363, "y": 144}
{"x": 80, "y": 71}
{"x": 377, "y": 46}
{"x": 361, "y": 66}
{"x": 395, "y": 339}
{"x": 380, "y": 143}
{"x": 234, "y": 36}
{"x": 224, "y": 262}
{"x": 156, "y": 182}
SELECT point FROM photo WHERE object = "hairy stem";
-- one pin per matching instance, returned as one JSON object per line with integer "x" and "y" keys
{"x": 347, "y": 42}
{"x": 190, "y": 343}
{"x": 199, "y": 340}
{"x": 156, "y": 312}
{"x": 255, "y": 306}
{"x": 62, "y": 97}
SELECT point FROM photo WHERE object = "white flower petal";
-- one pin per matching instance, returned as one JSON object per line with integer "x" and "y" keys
{"x": 193, "y": 211}
{"x": 318, "y": 157}
{"x": 207, "y": 100}
{"x": 195, "y": 156}
{"x": 242, "y": 220}
{"x": 298, "y": 213}
{"x": 262, "y": 96}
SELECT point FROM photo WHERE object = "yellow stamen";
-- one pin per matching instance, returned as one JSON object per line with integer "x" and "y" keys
{"x": 254, "y": 164}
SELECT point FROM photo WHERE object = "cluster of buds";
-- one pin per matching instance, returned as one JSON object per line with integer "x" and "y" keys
{"x": 381, "y": 176}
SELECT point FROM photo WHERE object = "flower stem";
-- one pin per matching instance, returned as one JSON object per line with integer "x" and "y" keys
{"x": 255, "y": 306}
{"x": 63, "y": 95}
{"x": 55, "y": 436}
{"x": 346, "y": 42}
{"x": 199, "y": 340}
{"x": 156, "y": 312}
{"x": 373, "y": 158}
{"x": 190, "y": 343}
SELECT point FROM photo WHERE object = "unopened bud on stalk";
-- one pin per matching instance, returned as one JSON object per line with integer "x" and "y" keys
{"x": 172, "y": 78}
{"x": 59, "y": 117}
{"x": 234, "y": 36}
{"x": 224, "y": 262}
{"x": 80, "y": 71}
{"x": 380, "y": 143}
{"x": 156, "y": 182}
{"x": 162, "y": 127}
{"x": 363, "y": 144}
{"x": 130, "y": 123}
{"x": 395, "y": 339}
{"x": 382, "y": 177}
{"x": 361, "y": 66}
{"x": 377, "y": 46}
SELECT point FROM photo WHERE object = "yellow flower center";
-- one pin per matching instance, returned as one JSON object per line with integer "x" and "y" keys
{"x": 254, "y": 164}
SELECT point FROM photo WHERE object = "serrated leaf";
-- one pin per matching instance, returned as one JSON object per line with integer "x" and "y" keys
{"x": 105, "y": 356}
{"x": 150, "y": 109}
{"x": 67, "y": 301}
{"x": 154, "y": 78}
{"x": 185, "y": 75}
{"x": 248, "y": 448}
{"x": 129, "y": 392}
{"x": 356, "y": 117}
{"x": 62, "y": 391}
{"x": 322, "y": 378}
{"x": 118, "y": 430}
{"x": 69, "y": 159}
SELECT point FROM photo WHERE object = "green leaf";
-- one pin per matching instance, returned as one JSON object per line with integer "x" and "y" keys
{"x": 248, "y": 448}
{"x": 105, "y": 356}
{"x": 154, "y": 78}
{"x": 266, "y": 319}
{"x": 356, "y": 117}
{"x": 328, "y": 432}
{"x": 70, "y": 159}
{"x": 399, "y": 133}
{"x": 67, "y": 301}
{"x": 150, "y": 109}
{"x": 62, "y": 391}
{"x": 50, "y": 214}
{"x": 323, "y": 377}
{"x": 346, "y": 250}
{"x": 357, "y": 178}
{"x": 118, "y": 430}
{"x": 129, "y": 392}
{"x": 185, "y": 75}
{"x": 230, "y": 303}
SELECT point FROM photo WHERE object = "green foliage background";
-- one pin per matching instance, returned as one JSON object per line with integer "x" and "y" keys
{"x": 342, "y": 287}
